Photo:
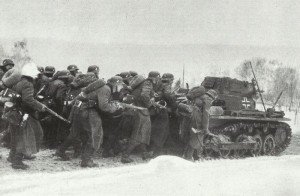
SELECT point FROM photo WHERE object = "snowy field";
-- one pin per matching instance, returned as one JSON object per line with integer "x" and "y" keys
{"x": 167, "y": 175}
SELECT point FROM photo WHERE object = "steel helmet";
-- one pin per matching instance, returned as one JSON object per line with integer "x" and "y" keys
{"x": 7, "y": 62}
{"x": 196, "y": 92}
{"x": 50, "y": 69}
{"x": 72, "y": 68}
{"x": 93, "y": 68}
{"x": 133, "y": 73}
{"x": 153, "y": 74}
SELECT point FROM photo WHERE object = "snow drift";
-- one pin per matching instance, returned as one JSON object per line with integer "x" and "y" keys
{"x": 167, "y": 175}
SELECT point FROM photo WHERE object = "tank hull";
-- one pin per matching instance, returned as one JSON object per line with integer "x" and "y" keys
{"x": 273, "y": 135}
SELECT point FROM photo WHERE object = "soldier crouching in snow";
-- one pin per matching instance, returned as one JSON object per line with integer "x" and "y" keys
{"x": 26, "y": 132}
{"x": 198, "y": 112}
{"x": 86, "y": 118}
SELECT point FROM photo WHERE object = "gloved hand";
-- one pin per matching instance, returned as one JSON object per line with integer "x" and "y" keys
{"x": 43, "y": 108}
{"x": 119, "y": 106}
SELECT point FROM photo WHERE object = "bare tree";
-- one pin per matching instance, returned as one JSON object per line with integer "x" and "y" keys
{"x": 20, "y": 54}
{"x": 244, "y": 70}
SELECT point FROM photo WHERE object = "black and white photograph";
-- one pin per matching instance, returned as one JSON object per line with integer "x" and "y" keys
{"x": 150, "y": 97}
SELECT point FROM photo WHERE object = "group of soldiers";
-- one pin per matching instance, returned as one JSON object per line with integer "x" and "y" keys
{"x": 68, "y": 108}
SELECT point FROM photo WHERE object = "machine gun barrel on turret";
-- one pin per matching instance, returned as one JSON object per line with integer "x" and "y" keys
{"x": 280, "y": 94}
{"x": 259, "y": 91}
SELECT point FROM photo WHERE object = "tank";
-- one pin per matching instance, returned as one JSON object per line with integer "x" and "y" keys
{"x": 240, "y": 128}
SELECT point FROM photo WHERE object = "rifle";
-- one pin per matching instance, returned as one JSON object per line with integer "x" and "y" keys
{"x": 41, "y": 90}
{"x": 262, "y": 100}
{"x": 130, "y": 106}
{"x": 55, "y": 114}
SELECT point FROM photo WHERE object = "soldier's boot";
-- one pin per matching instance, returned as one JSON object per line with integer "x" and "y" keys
{"x": 125, "y": 157}
{"x": 29, "y": 157}
{"x": 88, "y": 163}
{"x": 86, "y": 158}
{"x": 77, "y": 149}
{"x": 77, "y": 153}
{"x": 188, "y": 154}
{"x": 62, "y": 154}
{"x": 199, "y": 153}
{"x": 146, "y": 154}
{"x": 10, "y": 157}
{"x": 17, "y": 162}
{"x": 108, "y": 153}
{"x": 61, "y": 150}
{"x": 12, "y": 151}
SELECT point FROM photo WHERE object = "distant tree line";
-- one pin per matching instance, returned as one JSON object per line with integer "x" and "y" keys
{"x": 273, "y": 77}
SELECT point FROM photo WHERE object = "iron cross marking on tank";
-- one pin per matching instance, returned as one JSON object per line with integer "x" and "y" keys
{"x": 246, "y": 103}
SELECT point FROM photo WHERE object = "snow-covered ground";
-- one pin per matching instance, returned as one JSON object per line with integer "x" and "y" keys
{"x": 167, "y": 175}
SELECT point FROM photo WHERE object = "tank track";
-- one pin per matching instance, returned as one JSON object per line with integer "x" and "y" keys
{"x": 234, "y": 129}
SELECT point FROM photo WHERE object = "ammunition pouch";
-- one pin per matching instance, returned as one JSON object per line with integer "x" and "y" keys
{"x": 67, "y": 103}
{"x": 11, "y": 96}
{"x": 11, "y": 114}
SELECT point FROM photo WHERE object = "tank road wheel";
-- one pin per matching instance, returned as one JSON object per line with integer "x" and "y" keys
{"x": 269, "y": 145}
{"x": 208, "y": 152}
{"x": 224, "y": 153}
{"x": 258, "y": 146}
{"x": 280, "y": 136}
{"x": 241, "y": 138}
{"x": 280, "y": 139}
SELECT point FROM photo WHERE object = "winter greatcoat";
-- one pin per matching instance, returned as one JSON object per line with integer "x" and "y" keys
{"x": 26, "y": 139}
{"x": 86, "y": 120}
{"x": 141, "y": 118}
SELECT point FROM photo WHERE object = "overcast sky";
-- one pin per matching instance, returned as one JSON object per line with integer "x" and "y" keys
{"x": 239, "y": 22}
